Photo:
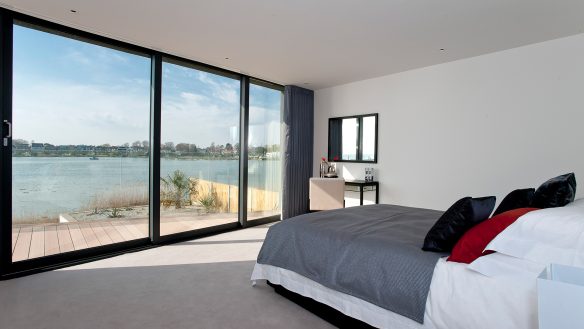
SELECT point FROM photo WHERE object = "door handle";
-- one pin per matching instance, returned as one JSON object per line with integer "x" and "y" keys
{"x": 9, "y": 135}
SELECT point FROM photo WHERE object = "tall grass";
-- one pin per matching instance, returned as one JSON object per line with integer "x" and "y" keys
{"x": 119, "y": 198}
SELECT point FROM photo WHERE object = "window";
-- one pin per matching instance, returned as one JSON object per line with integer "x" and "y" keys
{"x": 199, "y": 162}
{"x": 80, "y": 145}
{"x": 99, "y": 126}
{"x": 264, "y": 163}
{"x": 353, "y": 139}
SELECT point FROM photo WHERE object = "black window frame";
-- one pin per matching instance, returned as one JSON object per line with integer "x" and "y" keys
{"x": 359, "y": 142}
{"x": 9, "y": 269}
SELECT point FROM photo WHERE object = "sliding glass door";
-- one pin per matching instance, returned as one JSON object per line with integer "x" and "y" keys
{"x": 80, "y": 144}
{"x": 200, "y": 148}
{"x": 109, "y": 146}
{"x": 265, "y": 161}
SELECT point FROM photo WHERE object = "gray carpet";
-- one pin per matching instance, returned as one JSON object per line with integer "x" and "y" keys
{"x": 197, "y": 284}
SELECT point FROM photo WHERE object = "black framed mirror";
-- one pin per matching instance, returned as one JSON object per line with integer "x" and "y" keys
{"x": 353, "y": 138}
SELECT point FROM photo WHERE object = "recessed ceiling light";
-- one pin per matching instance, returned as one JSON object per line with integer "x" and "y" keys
{"x": 442, "y": 49}
{"x": 227, "y": 58}
{"x": 74, "y": 11}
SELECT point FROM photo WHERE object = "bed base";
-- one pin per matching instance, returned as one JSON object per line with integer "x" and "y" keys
{"x": 323, "y": 311}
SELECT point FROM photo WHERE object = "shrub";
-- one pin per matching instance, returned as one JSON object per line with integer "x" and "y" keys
{"x": 115, "y": 213}
{"x": 176, "y": 189}
{"x": 209, "y": 201}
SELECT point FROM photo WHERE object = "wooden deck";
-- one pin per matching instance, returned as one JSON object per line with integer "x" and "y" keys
{"x": 33, "y": 241}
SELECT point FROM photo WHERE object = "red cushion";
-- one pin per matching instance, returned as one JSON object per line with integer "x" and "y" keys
{"x": 475, "y": 240}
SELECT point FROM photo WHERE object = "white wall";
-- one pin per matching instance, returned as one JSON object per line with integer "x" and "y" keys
{"x": 479, "y": 126}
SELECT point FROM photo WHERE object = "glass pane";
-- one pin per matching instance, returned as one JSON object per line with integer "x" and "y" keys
{"x": 350, "y": 130}
{"x": 199, "y": 163}
{"x": 80, "y": 156}
{"x": 368, "y": 138}
{"x": 264, "y": 163}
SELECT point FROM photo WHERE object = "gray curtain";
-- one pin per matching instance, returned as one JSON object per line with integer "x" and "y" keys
{"x": 298, "y": 145}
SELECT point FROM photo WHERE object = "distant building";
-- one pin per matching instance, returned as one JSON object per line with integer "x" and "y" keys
{"x": 21, "y": 146}
{"x": 49, "y": 147}
{"x": 37, "y": 147}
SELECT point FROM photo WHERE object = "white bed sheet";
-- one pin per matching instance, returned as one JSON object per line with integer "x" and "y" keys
{"x": 459, "y": 298}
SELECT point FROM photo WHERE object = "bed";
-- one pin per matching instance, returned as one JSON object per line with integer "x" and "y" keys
{"x": 366, "y": 262}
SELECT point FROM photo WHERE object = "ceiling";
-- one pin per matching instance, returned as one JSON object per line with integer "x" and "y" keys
{"x": 318, "y": 43}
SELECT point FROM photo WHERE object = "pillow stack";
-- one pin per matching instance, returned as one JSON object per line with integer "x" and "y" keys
{"x": 465, "y": 230}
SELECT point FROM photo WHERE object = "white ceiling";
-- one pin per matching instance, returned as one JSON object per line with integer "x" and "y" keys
{"x": 318, "y": 43}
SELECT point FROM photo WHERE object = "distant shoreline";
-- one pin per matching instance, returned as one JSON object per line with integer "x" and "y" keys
{"x": 143, "y": 156}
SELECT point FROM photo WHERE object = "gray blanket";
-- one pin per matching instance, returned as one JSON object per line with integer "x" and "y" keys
{"x": 370, "y": 252}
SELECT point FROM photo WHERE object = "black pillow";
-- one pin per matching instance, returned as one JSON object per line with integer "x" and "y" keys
{"x": 556, "y": 192}
{"x": 516, "y": 199}
{"x": 459, "y": 218}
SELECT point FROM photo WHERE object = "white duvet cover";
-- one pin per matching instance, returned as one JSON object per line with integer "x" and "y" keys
{"x": 459, "y": 298}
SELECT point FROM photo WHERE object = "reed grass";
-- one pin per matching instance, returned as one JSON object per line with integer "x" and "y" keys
{"x": 119, "y": 198}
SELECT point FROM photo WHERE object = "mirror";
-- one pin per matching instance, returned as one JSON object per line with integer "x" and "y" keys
{"x": 353, "y": 139}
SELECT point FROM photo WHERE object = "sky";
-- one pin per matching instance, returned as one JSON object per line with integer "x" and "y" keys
{"x": 71, "y": 92}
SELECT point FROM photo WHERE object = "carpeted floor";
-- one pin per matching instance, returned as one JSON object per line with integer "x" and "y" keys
{"x": 197, "y": 284}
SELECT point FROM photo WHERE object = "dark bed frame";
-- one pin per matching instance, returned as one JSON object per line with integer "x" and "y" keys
{"x": 323, "y": 311}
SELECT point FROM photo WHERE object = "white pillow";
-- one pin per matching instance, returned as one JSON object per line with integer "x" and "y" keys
{"x": 554, "y": 235}
{"x": 500, "y": 265}
{"x": 576, "y": 203}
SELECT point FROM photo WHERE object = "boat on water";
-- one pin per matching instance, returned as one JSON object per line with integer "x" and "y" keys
{"x": 94, "y": 158}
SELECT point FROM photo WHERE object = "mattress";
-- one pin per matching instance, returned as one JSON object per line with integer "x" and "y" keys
{"x": 459, "y": 298}
{"x": 370, "y": 252}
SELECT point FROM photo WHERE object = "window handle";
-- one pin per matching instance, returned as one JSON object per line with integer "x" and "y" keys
{"x": 9, "y": 135}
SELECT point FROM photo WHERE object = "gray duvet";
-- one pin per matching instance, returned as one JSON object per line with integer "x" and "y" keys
{"x": 370, "y": 252}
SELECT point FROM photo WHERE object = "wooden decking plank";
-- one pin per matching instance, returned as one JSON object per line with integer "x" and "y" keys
{"x": 134, "y": 230}
{"x": 77, "y": 237}
{"x": 114, "y": 235}
{"x": 51, "y": 240}
{"x": 37, "y": 244}
{"x": 22, "y": 244}
{"x": 65, "y": 241}
{"x": 143, "y": 227}
{"x": 89, "y": 235}
{"x": 126, "y": 235}
{"x": 102, "y": 236}
{"x": 171, "y": 227}
{"x": 15, "y": 231}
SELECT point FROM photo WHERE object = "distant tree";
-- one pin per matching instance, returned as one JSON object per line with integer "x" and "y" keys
{"x": 212, "y": 148}
{"x": 193, "y": 148}
{"x": 236, "y": 147}
{"x": 126, "y": 145}
{"x": 260, "y": 150}
{"x": 229, "y": 147}
{"x": 137, "y": 144}
{"x": 19, "y": 141}
{"x": 145, "y": 144}
{"x": 105, "y": 145}
{"x": 182, "y": 147}
{"x": 169, "y": 146}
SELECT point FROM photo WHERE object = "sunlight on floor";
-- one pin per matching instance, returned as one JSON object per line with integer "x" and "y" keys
{"x": 242, "y": 245}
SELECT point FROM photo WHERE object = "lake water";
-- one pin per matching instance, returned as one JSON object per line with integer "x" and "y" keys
{"x": 49, "y": 186}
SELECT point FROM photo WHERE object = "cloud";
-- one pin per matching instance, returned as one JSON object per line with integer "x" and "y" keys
{"x": 264, "y": 126}
{"x": 197, "y": 119}
{"x": 64, "y": 113}
{"x": 225, "y": 91}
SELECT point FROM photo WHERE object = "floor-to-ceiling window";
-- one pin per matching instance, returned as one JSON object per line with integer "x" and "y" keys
{"x": 80, "y": 144}
{"x": 200, "y": 148}
{"x": 264, "y": 162}
{"x": 81, "y": 174}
